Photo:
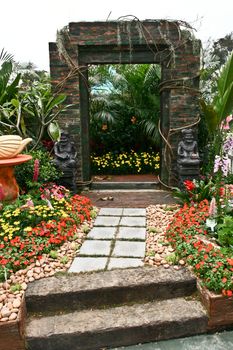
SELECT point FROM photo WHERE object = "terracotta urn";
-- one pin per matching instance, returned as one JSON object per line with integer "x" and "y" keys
{"x": 10, "y": 148}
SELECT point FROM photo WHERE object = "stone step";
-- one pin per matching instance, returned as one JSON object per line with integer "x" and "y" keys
{"x": 133, "y": 185}
{"x": 119, "y": 326}
{"x": 105, "y": 288}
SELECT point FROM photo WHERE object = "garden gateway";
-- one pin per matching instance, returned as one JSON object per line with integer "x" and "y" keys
{"x": 168, "y": 43}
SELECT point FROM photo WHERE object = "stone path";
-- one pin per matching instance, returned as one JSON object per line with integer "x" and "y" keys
{"x": 117, "y": 240}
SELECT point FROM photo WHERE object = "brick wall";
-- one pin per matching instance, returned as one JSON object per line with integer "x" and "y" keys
{"x": 133, "y": 42}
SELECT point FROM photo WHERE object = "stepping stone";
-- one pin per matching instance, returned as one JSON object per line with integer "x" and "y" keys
{"x": 107, "y": 221}
{"x": 102, "y": 233}
{"x": 129, "y": 249}
{"x": 134, "y": 212}
{"x": 83, "y": 264}
{"x": 123, "y": 263}
{"x": 135, "y": 233}
{"x": 133, "y": 221}
{"x": 94, "y": 247}
{"x": 111, "y": 211}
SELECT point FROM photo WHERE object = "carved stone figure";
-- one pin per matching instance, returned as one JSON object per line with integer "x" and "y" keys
{"x": 65, "y": 160}
{"x": 187, "y": 149}
{"x": 188, "y": 160}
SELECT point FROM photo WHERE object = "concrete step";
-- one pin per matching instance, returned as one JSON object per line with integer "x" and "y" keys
{"x": 119, "y": 326}
{"x": 122, "y": 185}
{"x": 106, "y": 288}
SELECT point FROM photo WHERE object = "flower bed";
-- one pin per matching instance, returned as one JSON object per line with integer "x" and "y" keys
{"x": 125, "y": 163}
{"x": 212, "y": 265}
{"x": 38, "y": 238}
{"x": 209, "y": 263}
{"x": 36, "y": 227}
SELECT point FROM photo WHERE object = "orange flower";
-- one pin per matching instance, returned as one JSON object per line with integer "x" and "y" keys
{"x": 104, "y": 127}
{"x": 224, "y": 280}
{"x": 133, "y": 120}
{"x": 230, "y": 261}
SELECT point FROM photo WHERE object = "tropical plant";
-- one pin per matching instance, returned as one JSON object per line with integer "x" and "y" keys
{"x": 8, "y": 85}
{"x": 125, "y": 107}
{"x": 28, "y": 109}
{"x": 222, "y": 103}
{"x": 41, "y": 108}
{"x": 195, "y": 191}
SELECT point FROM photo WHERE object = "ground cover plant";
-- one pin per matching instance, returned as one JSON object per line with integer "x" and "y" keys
{"x": 126, "y": 163}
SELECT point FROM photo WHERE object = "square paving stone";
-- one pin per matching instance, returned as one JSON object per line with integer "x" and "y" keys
{"x": 136, "y": 233}
{"x": 83, "y": 264}
{"x": 123, "y": 263}
{"x": 129, "y": 249}
{"x": 134, "y": 211}
{"x": 133, "y": 221}
{"x": 111, "y": 211}
{"x": 102, "y": 233}
{"x": 107, "y": 221}
{"x": 94, "y": 247}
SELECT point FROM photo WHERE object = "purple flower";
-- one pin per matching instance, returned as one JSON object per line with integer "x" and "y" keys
{"x": 228, "y": 144}
{"x": 222, "y": 164}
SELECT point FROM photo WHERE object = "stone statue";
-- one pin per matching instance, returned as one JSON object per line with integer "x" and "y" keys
{"x": 187, "y": 152}
{"x": 65, "y": 160}
{"x": 188, "y": 160}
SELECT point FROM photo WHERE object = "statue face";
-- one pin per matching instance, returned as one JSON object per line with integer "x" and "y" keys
{"x": 64, "y": 138}
{"x": 188, "y": 137}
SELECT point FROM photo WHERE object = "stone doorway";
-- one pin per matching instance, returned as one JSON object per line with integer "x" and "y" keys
{"x": 168, "y": 43}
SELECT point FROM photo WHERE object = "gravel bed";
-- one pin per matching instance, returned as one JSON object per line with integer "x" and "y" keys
{"x": 158, "y": 250}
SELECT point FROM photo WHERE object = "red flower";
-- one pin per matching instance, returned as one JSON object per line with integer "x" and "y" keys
{"x": 189, "y": 185}
{"x": 224, "y": 280}
{"x": 230, "y": 261}
{"x": 221, "y": 191}
{"x": 228, "y": 293}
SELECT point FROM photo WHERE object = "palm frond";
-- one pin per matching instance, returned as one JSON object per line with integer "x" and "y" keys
{"x": 5, "y": 56}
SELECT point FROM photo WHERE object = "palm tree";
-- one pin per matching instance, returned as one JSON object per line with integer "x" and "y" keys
{"x": 127, "y": 102}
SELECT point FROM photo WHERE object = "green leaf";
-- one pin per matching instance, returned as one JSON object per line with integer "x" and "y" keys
{"x": 227, "y": 103}
{"x": 226, "y": 76}
{"x": 54, "y": 131}
{"x": 55, "y": 101}
{"x": 211, "y": 116}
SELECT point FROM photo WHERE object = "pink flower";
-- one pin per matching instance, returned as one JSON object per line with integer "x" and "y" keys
{"x": 213, "y": 207}
{"x": 36, "y": 170}
{"x": 29, "y": 204}
{"x": 225, "y": 124}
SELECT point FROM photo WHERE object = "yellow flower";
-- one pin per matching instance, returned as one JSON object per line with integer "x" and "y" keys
{"x": 28, "y": 229}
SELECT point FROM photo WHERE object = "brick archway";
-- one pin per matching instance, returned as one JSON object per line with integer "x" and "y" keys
{"x": 158, "y": 41}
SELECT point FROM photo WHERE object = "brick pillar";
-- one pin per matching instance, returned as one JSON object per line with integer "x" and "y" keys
{"x": 66, "y": 83}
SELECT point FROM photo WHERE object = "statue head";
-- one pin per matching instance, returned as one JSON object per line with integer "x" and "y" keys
{"x": 64, "y": 138}
{"x": 187, "y": 135}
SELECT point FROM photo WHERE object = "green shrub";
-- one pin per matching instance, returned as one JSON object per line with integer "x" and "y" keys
{"x": 25, "y": 173}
